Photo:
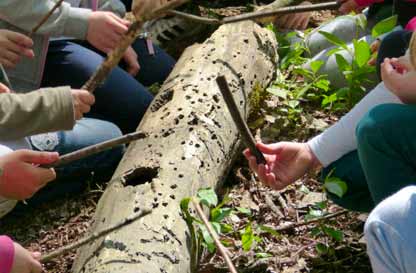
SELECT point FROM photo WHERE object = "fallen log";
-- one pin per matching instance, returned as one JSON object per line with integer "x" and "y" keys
{"x": 191, "y": 141}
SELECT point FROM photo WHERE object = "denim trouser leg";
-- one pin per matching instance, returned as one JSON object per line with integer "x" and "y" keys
{"x": 121, "y": 99}
{"x": 389, "y": 231}
{"x": 73, "y": 178}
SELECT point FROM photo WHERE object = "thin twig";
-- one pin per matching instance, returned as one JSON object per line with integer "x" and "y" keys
{"x": 46, "y": 17}
{"x": 238, "y": 119}
{"x": 304, "y": 223}
{"x": 214, "y": 236}
{"x": 95, "y": 149}
{"x": 273, "y": 207}
{"x": 59, "y": 252}
{"x": 128, "y": 38}
{"x": 256, "y": 14}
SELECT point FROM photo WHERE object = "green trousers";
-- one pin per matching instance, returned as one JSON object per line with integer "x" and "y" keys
{"x": 385, "y": 159}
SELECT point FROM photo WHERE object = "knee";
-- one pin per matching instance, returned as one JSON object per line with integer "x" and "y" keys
{"x": 379, "y": 121}
{"x": 394, "y": 213}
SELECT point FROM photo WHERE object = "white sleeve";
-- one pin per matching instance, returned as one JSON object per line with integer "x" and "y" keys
{"x": 339, "y": 139}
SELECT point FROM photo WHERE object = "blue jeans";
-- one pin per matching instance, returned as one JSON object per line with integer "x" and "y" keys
{"x": 389, "y": 232}
{"x": 74, "y": 177}
{"x": 121, "y": 99}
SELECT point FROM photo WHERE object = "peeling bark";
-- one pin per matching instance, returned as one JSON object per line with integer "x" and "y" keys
{"x": 191, "y": 143}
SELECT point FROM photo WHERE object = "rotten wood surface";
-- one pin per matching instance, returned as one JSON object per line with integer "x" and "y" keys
{"x": 191, "y": 143}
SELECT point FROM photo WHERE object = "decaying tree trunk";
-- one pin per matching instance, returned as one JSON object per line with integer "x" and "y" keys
{"x": 191, "y": 143}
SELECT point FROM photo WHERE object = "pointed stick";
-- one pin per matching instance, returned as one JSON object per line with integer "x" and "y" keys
{"x": 94, "y": 236}
{"x": 238, "y": 119}
{"x": 95, "y": 149}
{"x": 214, "y": 236}
{"x": 115, "y": 55}
{"x": 46, "y": 17}
{"x": 256, "y": 14}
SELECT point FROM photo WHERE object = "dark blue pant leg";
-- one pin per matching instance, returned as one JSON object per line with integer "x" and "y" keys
{"x": 121, "y": 99}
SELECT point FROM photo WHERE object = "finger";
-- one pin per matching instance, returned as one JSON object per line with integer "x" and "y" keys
{"x": 4, "y": 88}
{"x": 11, "y": 56}
{"x": 6, "y": 63}
{"x": 121, "y": 20}
{"x": 44, "y": 176}
{"x": 27, "y": 52}
{"x": 36, "y": 255}
{"x": 271, "y": 181}
{"x": 78, "y": 115}
{"x": 36, "y": 267}
{"x": 85, "y": 108}
{"x": 269, "y": 148}
{"x": 262, "y": 173}
{"x": 20, "y": 39}
{"x": 87, "y": 98}
{"x": 247, "y": 153}
{"x": 35, "y": 157}
{"x": 252, "y": 162}
{"x": 117, "y": 26}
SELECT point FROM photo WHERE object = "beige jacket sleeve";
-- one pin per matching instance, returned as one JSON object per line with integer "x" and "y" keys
{"x": 44, "y": 110}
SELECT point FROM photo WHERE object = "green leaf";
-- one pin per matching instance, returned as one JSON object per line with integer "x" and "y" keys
{"x": 342, "y": 63}
{"x": 322, "y": 84}
{"x": 262, "y": 255}
{"x": 208, "y": 197}
{"x": 334, "y": 39}
{"x": 304, "y": 189}
{"x": 337, "y": 235}
{"x": 362, "y": 52}
{"x": 185, "y": 203}
{"x": 218, "y": 214}
{"x": 321, "y": 248}
{"x": 247, "y": 238}
{"x": 316, "y": 65}
{"x": 208, "y": 241}
{"x": 384, "y": 26}
{"x": 279, "y": 92}
{"x": 322, "y": 205}
{"x": 316, "y": 231}
{"x": 333, "y": 51}
{"x": 226, "y": 228}
{"x": 313, "y": 213}
{"x": 336, "y": 186}
{"x": 361, "y": 20}
{"x": 244, "y": 211}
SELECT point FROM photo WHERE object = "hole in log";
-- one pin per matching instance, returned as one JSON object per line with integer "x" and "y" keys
{"x": 140, "y": 176}
{"x": 162, "y": 100}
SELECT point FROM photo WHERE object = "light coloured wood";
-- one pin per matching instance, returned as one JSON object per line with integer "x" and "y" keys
{"x": 191, "y": 143}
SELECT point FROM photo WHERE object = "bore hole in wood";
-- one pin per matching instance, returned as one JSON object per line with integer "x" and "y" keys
{"x": 162, "y": 100}
{"x": 140, "y": 176}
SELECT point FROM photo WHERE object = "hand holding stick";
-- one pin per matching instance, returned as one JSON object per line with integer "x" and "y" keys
{"x": 97, "y": 148}
{"x": 238, "y": 119}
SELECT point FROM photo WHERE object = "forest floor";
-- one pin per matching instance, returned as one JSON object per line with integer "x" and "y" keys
{"x": 331, "y": 245}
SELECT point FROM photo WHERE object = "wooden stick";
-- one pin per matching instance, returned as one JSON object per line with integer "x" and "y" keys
{"x": 238, "y": 119}
{"x": 256, "y": 14}
{"x": 214, "y": 236}
{"x": 304, "y": 223}
{"x": 59, "y": 252}
{"x": 97, "y": 148}
{"x": 115, "y": 55}
{"x": 44, "y": 19}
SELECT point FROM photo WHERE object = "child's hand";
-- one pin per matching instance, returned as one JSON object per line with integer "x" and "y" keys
{"x": 399, "y": 77}
{"x": 82, "y": 101}
{"x": 286, "y": 162}
{"x": 13, "y": 45}
{"x": 4, "y": 88}
{"x": 348, "y": 6}
{"x": 20, "y": 177}
{"x": 131, "y": 59}
{"x": 25, "y": 261}
{"x": 105, "y": 30}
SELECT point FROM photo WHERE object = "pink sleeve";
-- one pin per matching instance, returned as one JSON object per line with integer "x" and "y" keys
{"x": 6, "y": 254}
{"x": 411, "y": 25}
{"x": 366, "y": 3}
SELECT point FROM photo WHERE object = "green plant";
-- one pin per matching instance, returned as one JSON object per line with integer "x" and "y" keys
{"x": 356, "y": 72}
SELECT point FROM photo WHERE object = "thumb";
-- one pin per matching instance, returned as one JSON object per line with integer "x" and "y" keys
{"x": 36, "y": 255}
{"x": 269, "y": 148}
{"x": 36, "y": 157}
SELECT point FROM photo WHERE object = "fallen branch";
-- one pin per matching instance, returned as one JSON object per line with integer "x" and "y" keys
{"x": 256, "y": 14}
{"x": 59, "y": 252}
{"x": 128, "y": 38}
{"x": 95, "y": 149}
{"x": 214, "y": 236}
{"x": 238, "y": 119}
{"x": 304, "y": 223}
{"x": 46, "y": 17}
{"x": 272, "y": 206}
